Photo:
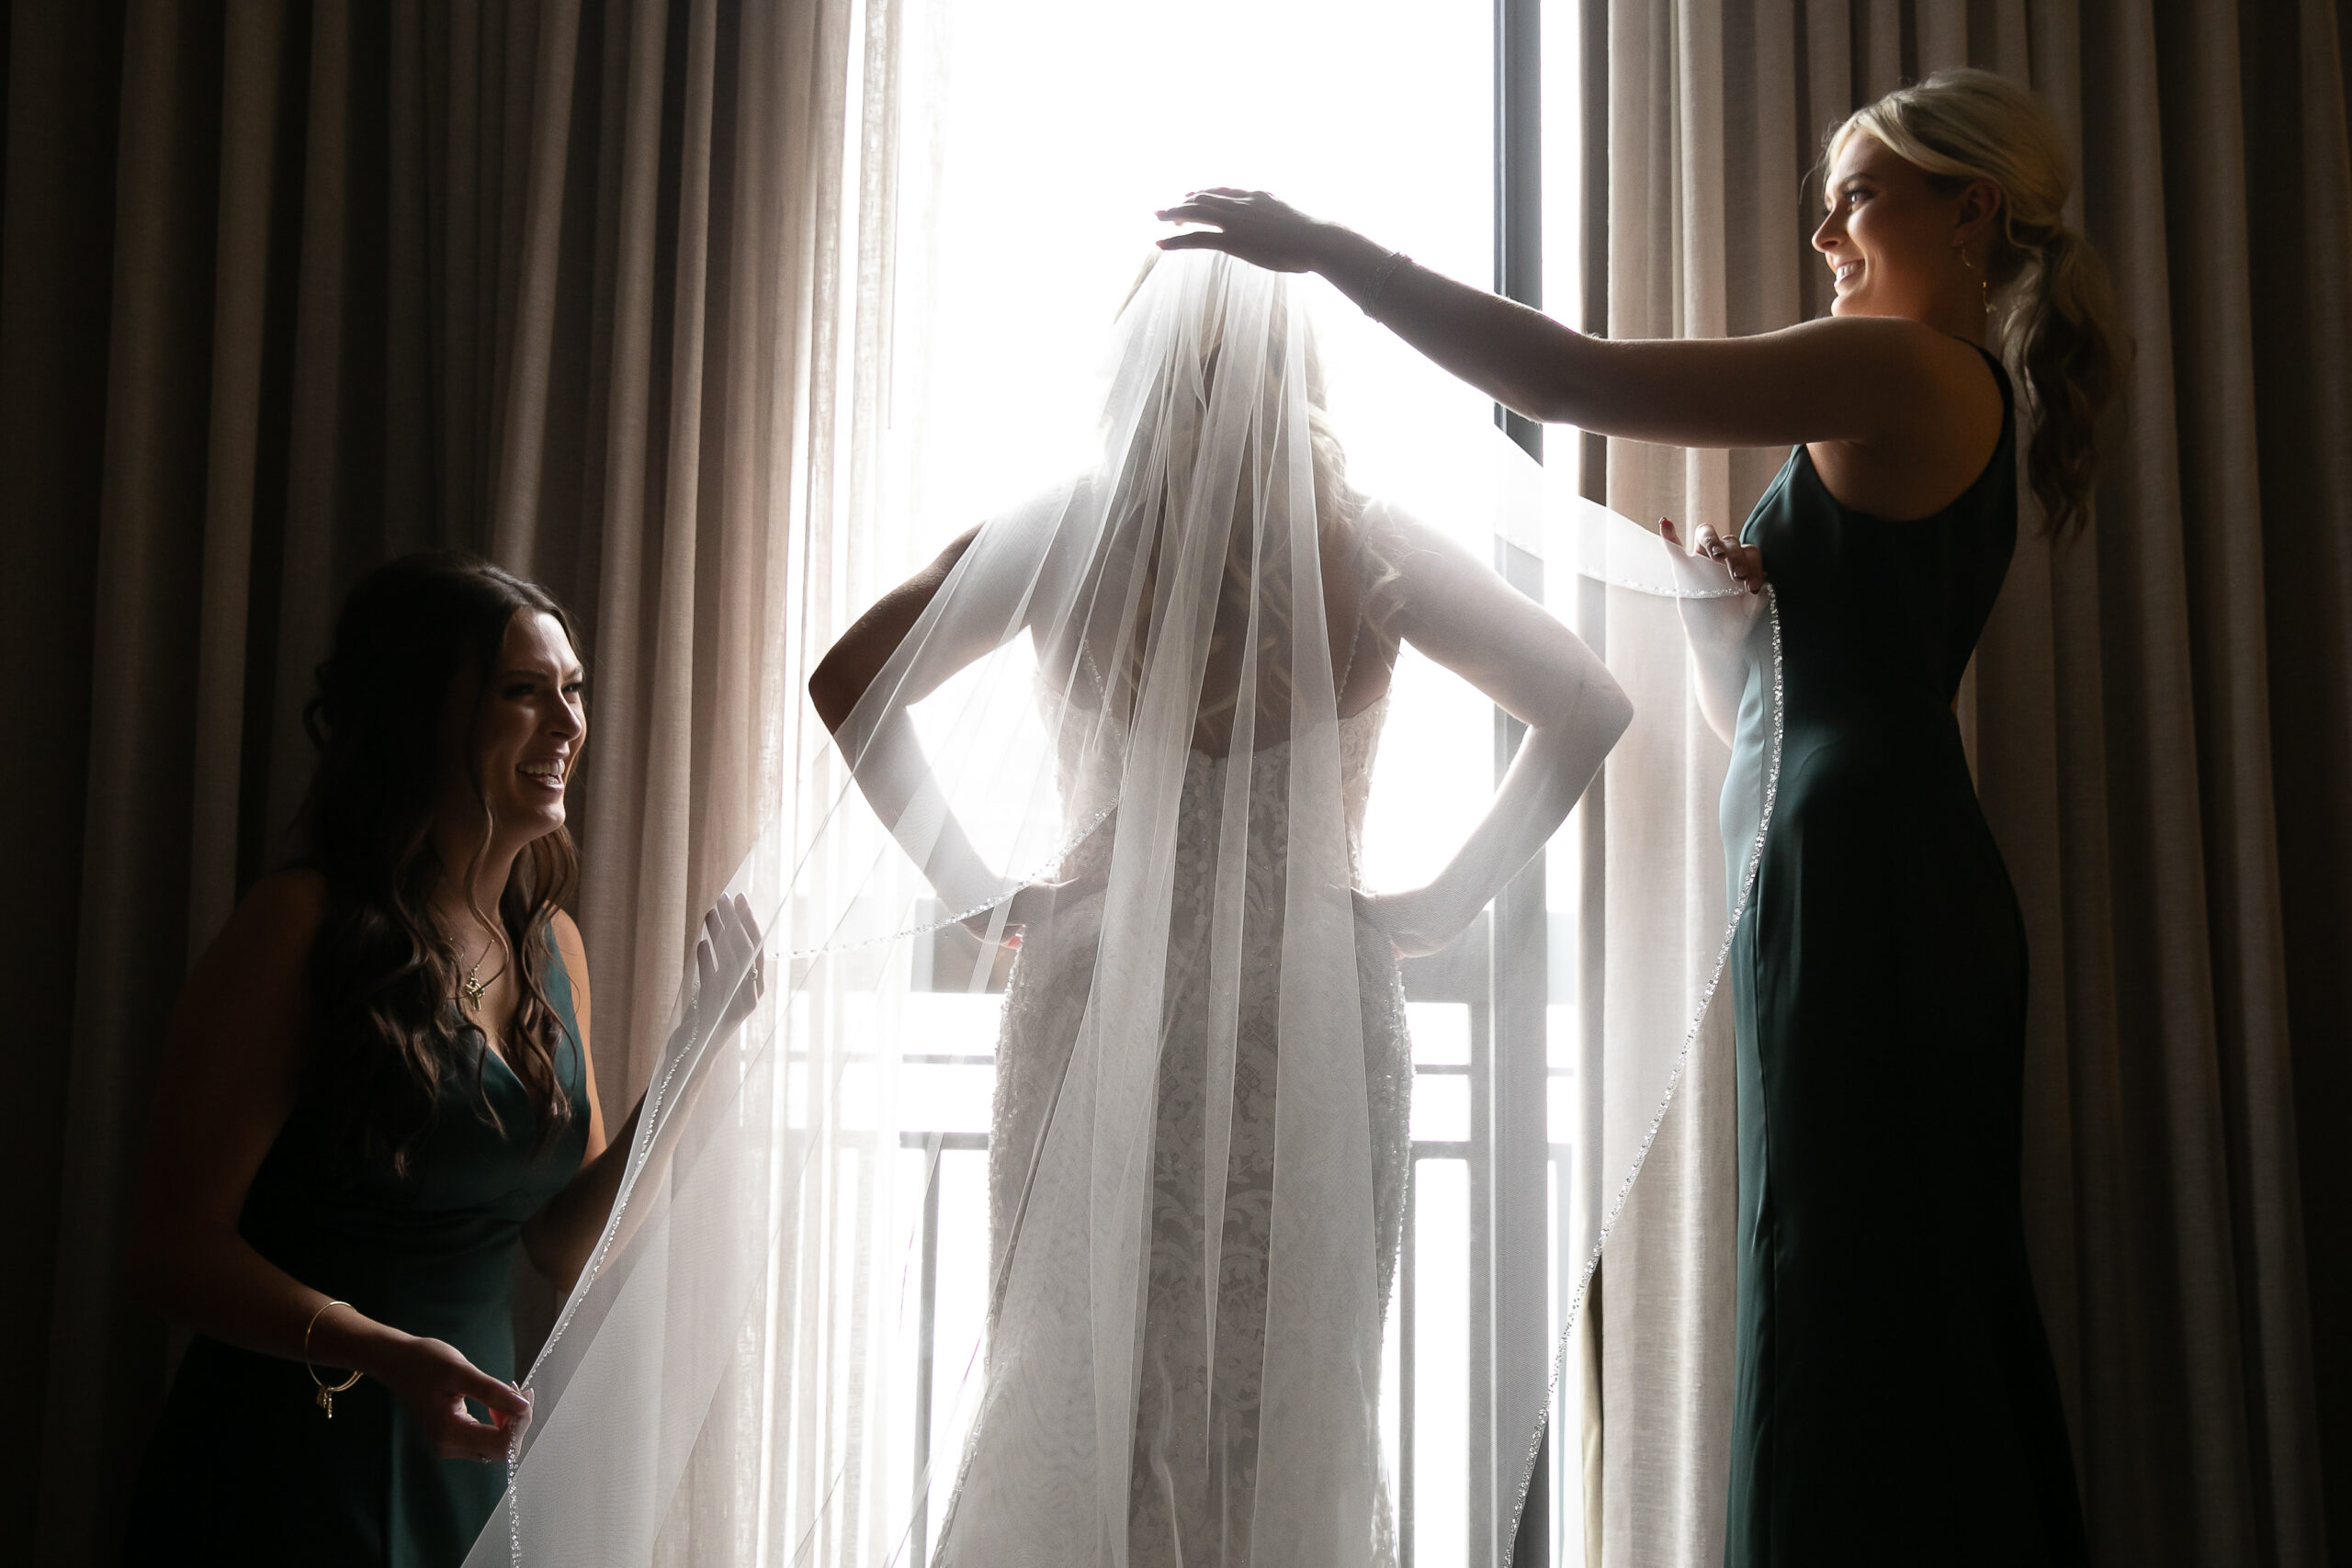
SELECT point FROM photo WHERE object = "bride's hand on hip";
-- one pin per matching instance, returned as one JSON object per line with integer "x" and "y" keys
{"x": 1250, "y": 225}
{"x": 1032, "y": 905}
{"x": 1414, "y": 926}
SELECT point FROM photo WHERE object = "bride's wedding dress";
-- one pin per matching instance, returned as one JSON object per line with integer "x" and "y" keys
{"x": 1194, "y": 1470}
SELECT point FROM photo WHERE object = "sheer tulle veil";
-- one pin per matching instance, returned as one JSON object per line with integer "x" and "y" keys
{"x": 1130, "y": 687}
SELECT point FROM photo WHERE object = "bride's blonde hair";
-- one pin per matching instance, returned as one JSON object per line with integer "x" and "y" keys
{"x": 2053, "y": 313}
{"x": 1339, "y": 510}
{"x": 1337, "y": 505}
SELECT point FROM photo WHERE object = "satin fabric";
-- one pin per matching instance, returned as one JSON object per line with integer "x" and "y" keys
{"x": 245, "y": 1466}
{"x": 1895, "y": 1398}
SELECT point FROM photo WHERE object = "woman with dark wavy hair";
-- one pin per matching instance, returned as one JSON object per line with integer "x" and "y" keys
{"x": 376, "y": 1087}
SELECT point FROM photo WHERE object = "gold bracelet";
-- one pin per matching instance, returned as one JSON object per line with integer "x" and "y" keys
{"x": 326, "y": 1391}
{"x": 1389, "y": 266}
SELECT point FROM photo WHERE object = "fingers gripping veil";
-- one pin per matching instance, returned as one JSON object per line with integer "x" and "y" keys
{"x": 1119, "y": 771}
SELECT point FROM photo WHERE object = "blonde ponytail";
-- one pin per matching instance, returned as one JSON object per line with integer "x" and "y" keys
{"x": 2059, "y": 334}
{"x": 2055, "y": 319}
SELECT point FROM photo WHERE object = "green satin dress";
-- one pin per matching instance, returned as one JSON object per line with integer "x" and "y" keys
{"x": 245, "y": 1466}
{"x": 1896, "y": 1399}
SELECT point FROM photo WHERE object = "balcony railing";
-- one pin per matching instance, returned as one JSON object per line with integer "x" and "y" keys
{"x": 1440, "y": 1348}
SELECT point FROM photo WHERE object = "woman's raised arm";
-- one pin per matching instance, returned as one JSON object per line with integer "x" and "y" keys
{"x": 1856, "y": 378}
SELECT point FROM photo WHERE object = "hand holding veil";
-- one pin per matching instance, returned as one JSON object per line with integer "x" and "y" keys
{"x": 1136, "y": 717}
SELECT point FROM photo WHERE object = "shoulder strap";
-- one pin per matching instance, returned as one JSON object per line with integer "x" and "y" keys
{"x": 2000, "y": 379}
{"x": 559, "y": 989}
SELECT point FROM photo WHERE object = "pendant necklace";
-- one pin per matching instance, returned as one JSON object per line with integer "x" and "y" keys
{"x": 470, "y": 990}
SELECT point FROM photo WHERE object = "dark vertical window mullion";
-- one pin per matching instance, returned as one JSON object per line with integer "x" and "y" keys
{"x": 1518, "y": 1142}
{"x": 1519, "y": 176}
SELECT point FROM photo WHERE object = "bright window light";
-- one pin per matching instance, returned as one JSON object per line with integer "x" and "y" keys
{"x": 1036, "y": 138}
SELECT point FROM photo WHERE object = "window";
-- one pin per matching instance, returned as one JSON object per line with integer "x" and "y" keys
{"x": 1036, "y": 138}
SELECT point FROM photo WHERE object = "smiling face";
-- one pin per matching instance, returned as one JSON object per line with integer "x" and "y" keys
{"x": 1894, "y": 241}
{"x": 517, "y": 732}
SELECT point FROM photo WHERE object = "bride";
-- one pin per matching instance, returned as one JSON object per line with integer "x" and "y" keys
{"x": 1197, "y": 1164}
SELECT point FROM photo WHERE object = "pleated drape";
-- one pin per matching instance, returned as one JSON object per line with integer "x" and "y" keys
{"x": 2161, "y": 719}
{"x": 601, "y": 290}
{"x": 598, "y": 289}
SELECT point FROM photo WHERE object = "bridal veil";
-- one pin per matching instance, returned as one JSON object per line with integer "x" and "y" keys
{"x": 1129, "y": 691}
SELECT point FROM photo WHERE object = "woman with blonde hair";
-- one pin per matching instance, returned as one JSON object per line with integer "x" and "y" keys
{"x": 1896, "y": 1399}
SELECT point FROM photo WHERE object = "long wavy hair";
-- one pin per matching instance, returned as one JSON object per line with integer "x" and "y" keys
{"x": 387, "y": 1030}
{"x": 2053, "y": 311}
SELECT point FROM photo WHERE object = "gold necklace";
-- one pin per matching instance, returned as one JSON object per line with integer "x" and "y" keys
{"x": 470, "y": 990}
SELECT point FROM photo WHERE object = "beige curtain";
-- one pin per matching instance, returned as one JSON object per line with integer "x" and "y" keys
{"x": 2161, "y": 717}
{"x": 286, "y": 289}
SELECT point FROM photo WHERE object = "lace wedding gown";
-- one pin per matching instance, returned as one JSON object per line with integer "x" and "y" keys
{"x": 1194, "y": 1481}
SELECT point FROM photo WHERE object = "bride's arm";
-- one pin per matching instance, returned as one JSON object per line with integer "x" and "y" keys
{"x": 1465, "y": 616}
{"x": 909, "y": 644}
{"x": 1840, "y": 379}
{"x": 879, "y": 738}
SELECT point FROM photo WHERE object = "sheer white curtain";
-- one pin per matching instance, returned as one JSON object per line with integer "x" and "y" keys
{"x": 1381, "y": 114}
{"x": 1099, "y": 115}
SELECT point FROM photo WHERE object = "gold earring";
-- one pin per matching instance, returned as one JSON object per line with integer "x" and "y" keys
{"x": 1984, "y": 284}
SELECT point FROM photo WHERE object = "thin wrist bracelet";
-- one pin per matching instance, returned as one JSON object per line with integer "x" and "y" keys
{"x": 1390, "y": 266}
{"x": 326, "y": 1391}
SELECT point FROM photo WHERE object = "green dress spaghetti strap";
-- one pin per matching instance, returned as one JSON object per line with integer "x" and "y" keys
{"x": 1895, "y": 1399}
{"x": 244, "y": 1467}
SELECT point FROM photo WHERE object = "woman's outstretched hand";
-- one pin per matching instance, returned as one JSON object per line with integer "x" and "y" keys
{"x": 1250, "y": 225}
{"x": 1745, "y": 563}
{"x": 729, "y": 952}
{"x": 432, "y": 1379}
{"x": 722, "y": 988}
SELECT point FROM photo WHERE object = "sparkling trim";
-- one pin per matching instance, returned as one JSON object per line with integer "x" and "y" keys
{"x": 656, "y": 1103}
{"x": 1706, "y": 997}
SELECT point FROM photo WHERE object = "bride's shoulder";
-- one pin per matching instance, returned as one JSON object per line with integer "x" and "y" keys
{"x": 1040, "y": 511}
{"x": 1399, "y": 540}
{"x": 1402, "y": 562}
{"x": 1031, "y": 534}
{"x": 1382, "y": 525}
